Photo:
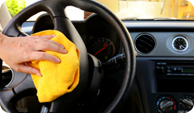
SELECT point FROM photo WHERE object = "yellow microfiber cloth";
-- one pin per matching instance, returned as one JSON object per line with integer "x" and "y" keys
{"x": 57, "y": 78}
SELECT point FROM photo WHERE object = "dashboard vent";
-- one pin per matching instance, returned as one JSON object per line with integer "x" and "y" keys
{"x": 145, "y": 43}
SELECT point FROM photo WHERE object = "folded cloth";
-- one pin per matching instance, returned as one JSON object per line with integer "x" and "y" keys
{"x": 57, "y": 78}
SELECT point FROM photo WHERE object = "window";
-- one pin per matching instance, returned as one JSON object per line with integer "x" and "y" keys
{"x": 15, "y": 6}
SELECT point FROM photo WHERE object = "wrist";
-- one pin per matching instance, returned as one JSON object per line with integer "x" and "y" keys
{"x": 2, "y": 38}
{"x": 2, "y": 45}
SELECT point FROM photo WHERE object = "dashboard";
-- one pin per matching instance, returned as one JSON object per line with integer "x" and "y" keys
{"x": 164, "y": 74}
{"x": 165, "y": 60}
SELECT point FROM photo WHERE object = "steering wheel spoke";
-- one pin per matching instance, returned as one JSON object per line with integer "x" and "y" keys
{"x": 9, "y": 99}
{"x": 25, "y": 87}
{"x": 9, "y": 96}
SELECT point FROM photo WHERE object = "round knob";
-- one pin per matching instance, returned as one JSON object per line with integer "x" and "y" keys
{"x": 187, "y": 103}
{"x": 166, "y": 105}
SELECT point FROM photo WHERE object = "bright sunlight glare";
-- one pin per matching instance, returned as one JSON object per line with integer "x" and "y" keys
{"x": 1, "y": 1}
{"x": 1, "y": 110}
{"x": 192, "y": 1}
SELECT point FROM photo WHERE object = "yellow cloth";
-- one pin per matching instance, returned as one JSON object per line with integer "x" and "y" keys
{"x": 57, "y": 78}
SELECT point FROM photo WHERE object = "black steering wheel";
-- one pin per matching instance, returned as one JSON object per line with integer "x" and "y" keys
{"x": 55, "y": 8}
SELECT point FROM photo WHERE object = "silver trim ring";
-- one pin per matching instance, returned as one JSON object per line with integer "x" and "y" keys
{"x": 141, "y": 34}
{"x": 6, "y": 68}
{"x": 187, "y": 44}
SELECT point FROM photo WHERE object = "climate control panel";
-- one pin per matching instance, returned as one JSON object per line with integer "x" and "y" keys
{"x": 168, "y": 104}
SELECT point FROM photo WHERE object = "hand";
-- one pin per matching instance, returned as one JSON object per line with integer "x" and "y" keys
{"x": 15, "y": 51}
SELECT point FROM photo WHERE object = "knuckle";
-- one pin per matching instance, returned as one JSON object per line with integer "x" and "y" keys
{"x": 45, "y": 45}
{"x": 61, "y": 50}
{"x": 26, "y": 54}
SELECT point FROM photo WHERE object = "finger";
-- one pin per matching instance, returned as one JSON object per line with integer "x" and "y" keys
{"x": 56, "y": 43}
{"x": 44, "y": 36}
{"x": 37, "y": 56}
{"x": 48, "y": 36}
{"x": 49, "y": 47}
{"x": 28, "y": 69}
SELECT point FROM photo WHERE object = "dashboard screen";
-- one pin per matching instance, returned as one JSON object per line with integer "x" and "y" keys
{"x": 188, "y": 70}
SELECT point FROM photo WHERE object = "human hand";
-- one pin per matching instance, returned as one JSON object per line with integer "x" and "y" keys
{"x": 16, "y": 51}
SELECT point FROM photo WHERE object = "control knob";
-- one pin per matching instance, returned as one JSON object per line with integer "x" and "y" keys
{"x": 187, "y": 103}
{"x": 166, "y": 106}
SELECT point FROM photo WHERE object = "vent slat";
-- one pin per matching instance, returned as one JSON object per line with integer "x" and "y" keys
{"x": 148, "y": 38}
{"x": 143, "y": 48}
{"x": 145, "y": 43}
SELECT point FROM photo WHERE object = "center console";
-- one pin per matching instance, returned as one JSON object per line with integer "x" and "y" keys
{"x": 166, "y": 85}
{"x": 177, "y": 77}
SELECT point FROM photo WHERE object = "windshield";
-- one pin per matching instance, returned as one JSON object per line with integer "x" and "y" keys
{"x": 155, "y": 9}
{"x": 127, "y": 9}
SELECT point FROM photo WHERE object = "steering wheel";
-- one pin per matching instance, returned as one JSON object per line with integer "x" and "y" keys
{"x": 55, "y": 8}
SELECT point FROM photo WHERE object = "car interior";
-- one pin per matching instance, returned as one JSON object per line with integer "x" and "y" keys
{"x": 128, "y": 65}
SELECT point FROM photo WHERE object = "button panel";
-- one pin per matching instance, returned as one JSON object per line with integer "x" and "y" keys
{"x": 160, "y": 68}
{"x": 165, "y": 70}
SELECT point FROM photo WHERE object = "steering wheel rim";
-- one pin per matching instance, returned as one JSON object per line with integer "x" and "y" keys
{"x": 55, "y": 8}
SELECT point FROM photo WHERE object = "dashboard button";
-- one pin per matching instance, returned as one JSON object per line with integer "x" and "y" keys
{"x": 179, "y": 70}
{"x": 168, "y": 70}
{"x": 174, "y": 69}
{"x": 160, "y": 69}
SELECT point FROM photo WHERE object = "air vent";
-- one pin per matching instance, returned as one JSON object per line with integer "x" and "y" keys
{"x": 145, "y": 43}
